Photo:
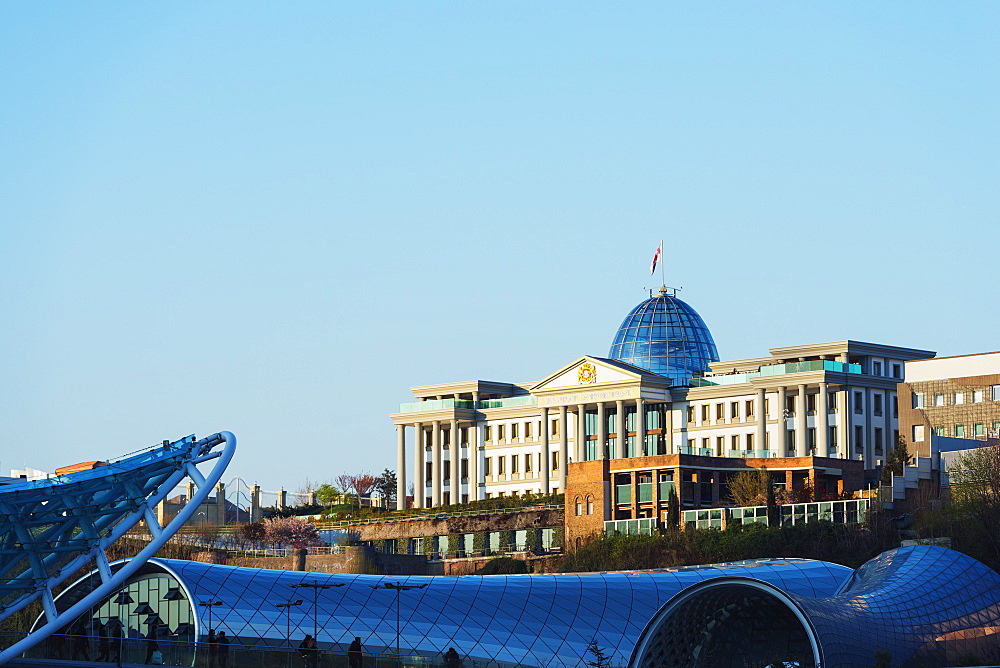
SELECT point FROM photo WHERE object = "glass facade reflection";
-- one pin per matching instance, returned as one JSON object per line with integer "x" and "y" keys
{"x": 923, "y": 605}
{"x": 666, "y": 336}
{"x": 524, "y": 620}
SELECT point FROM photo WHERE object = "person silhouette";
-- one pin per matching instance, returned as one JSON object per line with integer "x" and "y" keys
{"x": 355, "y": 659}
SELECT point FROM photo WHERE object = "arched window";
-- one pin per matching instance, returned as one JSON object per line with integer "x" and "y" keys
{"x": 579, "y": 506}
{"x": 590, "y": 505}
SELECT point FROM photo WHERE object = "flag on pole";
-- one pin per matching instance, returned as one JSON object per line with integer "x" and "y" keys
{"x": 656, "y": 258}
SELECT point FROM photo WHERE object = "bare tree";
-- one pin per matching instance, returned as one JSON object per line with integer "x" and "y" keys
{"x": 361, "y": 484}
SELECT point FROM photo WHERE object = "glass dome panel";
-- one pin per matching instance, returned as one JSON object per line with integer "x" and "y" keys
{"x": 666, "y": 336}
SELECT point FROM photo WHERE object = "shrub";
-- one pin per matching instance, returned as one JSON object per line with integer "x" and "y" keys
{"x": 503, "y": 566}
{"x": 506, "y": 541}
{"x": 481, "y": 542}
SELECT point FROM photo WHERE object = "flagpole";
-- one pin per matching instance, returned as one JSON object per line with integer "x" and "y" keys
{"x": 663, "y": 281}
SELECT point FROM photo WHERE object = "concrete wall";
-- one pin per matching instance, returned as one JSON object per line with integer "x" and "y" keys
{"x": 353, "y": 560}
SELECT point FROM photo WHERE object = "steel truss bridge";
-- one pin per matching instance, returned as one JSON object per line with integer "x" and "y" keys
{"x": 50, "y": 529}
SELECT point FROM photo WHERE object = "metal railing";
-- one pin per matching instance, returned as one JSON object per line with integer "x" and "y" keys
{"x": 84, "y": 649}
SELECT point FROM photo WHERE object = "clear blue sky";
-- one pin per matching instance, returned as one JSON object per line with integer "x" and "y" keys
{"x": 275, "y": 218}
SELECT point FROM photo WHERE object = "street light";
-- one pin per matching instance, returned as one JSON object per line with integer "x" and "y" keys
{"x": 316, "y": 587}
{"x": 288, "y": 622}
{"x": 398, "y": 587}
{"x": 210, "y": 604}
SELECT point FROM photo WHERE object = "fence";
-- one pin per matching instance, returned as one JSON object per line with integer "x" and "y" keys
{"x": 180, "y": 652}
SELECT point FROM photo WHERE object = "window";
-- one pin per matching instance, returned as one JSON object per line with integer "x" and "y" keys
{"x": 810, "y": 403}
{"x": 859, "y": 402}
{"x": 734, "y": 409}
{"x": 705, "y": 412}
{"x": 939, "y": 430}
{"x": 877, "y": 399}
{"x": 918, "y": 400}
{"x": 977, "y": 396}
{"x": 489, "y": 495}
{"x": 995, "y": 392}
{"x": 690, "y": 414}
{"x": 895, "y": 407}
{"x": 590, "y": 505}
{"x": 749, "y": 441}
{"x": 488, "y": 466}
{"x": 959, "y": 431}
{"x": 555, "y": 461}
{"x": 767, "y": 407}
{"x": 876, "y": 368}
{"x": 878, "y": 440}
{"x": 978, "y": 429}
{"x": 831, "y": 401}
{"x": 790, "y": 405}
{"x": 489, "y": 433}
{"x": 720, "y": 411}
{"x": 958, "y": 398}
{"x": 428, "y": 471}
{"x": 939, "y": 399}
{"x": 501, "y": 465}
{"x": 748, "y": 409}
{"x": 691, "y": 444}
{"x": 897, "y": 371}
{"x": 734, "y": 442}
{"x": 720, "y": 444}
{"x": 527, "y": 463}
{"x": 513, "y": 463}
{"x": 579, "y": 506}
{"x": 513, "y": 429}
{"x": 500, "y": 430}
{"x": 464, "y": 435}
{"x": 527, "y": 429}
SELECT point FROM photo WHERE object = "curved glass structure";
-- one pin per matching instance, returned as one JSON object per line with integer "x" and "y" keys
{"x": 666, "y": 336}
{"x": 49, "y": 529}
{"x": 523, "y": 620}
{"x": 923, "y": 605}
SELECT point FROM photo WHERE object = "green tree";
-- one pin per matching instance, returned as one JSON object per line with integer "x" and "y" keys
{"x": 895, "y": 459}
{"x": 673, "y": 510}
{"x": 749, "y": 488}
{"x": 385, "y": 486}
{"x": 503, "y": 566}
{"x": 327, "y": 494}
{"x": 975, "y": 500}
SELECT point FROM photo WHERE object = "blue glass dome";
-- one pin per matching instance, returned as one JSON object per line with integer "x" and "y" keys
{"x": 666, "y": 336}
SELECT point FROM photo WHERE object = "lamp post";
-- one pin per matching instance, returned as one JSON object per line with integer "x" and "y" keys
{"x": 288, "y": 605}
{"x": 398, "y": 587}
{"x": 316, "y": 587}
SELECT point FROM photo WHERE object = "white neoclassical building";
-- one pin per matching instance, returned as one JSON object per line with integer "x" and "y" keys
{"x": 664, "y": 393}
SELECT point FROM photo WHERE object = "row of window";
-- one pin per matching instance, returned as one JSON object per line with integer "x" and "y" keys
{"x": 747, "y": 442}
{"x": 732, "y": 409}
{"x": 958, "y": 431}
{"x": 515, "y": 461}
{"x": 518, "y": 430}
{"x": 956, "y": 398}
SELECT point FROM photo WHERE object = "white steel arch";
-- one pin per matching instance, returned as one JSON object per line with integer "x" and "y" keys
{"x": 50, "y": 529}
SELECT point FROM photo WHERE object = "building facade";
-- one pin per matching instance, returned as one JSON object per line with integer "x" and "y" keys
{"x": 950, "y": 397}
{"x": 479, "y": 439}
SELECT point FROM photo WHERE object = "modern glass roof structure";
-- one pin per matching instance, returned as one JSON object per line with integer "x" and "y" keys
{"x": 524, "y": 620}
{"x": 50, "y": 529}
{"x": 666, "y": 336}
{"x": 924, "y": 605}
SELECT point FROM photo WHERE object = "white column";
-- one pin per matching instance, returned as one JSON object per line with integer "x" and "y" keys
{"x": 822, "y": 422}
{"x": 473, "y": 452}
{"x": 543, "y": 464}
{"x": 436, "y": 464}
{"x": 761, "y": 411}
{"x": 602, "y": 431}
{"x": 668, "y": 432}
{"x": 640, "y": 429}
{"x": 844, "y": 424}
{"x": 801, "y": 446}
{"x": 782, "y": 442}
{"x": 419, "y": 467}
{"x": 622, "y": 434}
{"x": 563, "y": 447}
{"x": 456, "y": 463}
{"x": 400, "y": 467}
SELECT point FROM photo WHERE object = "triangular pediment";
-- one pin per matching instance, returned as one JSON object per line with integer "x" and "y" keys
{"x": 588, "y": 371}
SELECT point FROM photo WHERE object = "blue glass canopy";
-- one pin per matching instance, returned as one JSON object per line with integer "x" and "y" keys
{"x": 666, "y": 336}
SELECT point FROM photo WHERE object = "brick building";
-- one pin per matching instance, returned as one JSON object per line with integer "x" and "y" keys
{"x": 954, "y": 397}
